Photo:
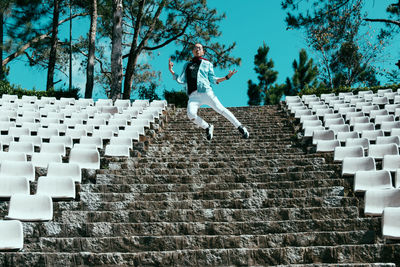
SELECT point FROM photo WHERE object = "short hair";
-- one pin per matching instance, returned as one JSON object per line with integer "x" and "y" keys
{"x": 194, "y": 45}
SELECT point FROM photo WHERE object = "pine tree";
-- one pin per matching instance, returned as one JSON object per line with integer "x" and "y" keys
{"x": 305, "y": 74}
{"x": 266, "y": 76}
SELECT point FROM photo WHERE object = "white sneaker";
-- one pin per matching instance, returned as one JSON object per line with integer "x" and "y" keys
{"x": 210, "y": 132}
{"x": 244, "y": 132}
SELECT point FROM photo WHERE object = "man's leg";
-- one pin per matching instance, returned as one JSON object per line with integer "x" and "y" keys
{"x": 214, "y": 103}
{"x": 192, "y": 108}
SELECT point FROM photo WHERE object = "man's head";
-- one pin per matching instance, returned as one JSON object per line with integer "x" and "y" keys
{"x": 198, "y": 50}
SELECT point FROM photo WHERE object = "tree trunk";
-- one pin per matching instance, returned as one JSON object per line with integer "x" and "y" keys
{"x": 116, "y": 53}
{"x": 92, "y": 47}
{"x": 53, "y": 50}
{"x": 129, "y": 73}
{"x": 1, "y": 43}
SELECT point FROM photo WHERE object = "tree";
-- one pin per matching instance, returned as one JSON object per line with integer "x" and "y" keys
{"x": 329, "y": 28}
{"x": 91, "y": 50}
{"x": 53, "y": 46}
{"x": 266, "y": 76}
{"x": 116, "y": 54}
{"x": 305, "y": 74}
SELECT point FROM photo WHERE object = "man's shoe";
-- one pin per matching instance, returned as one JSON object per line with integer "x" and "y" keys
{"x": 244, "y": 132}
{"x": 210, "y": 132}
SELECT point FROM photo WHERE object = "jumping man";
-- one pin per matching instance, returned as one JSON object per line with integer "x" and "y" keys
{"x": 197, "y": 76}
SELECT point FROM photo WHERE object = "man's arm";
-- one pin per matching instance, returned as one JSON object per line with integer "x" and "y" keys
{"x": 227, "y": 77}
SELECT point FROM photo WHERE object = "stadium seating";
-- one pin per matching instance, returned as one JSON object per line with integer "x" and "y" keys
{"x": 30, "y": 208}
{"x": 11, "y": 235}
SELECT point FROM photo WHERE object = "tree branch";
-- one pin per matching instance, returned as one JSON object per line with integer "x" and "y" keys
{"x": 22, "y": 49}
{"x": 170, "y": 40}
{"x": 395, "y": 22}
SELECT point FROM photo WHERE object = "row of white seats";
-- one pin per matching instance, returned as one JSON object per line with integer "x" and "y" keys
{"x": 382, "y": 193}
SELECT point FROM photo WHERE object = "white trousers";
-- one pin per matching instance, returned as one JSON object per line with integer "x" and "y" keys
{"x": 197, "y": 99}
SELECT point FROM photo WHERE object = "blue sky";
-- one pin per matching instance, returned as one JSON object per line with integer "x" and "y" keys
{"x": 249, "y": 25}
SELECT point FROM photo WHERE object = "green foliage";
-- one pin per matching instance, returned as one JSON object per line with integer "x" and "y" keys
{"x": 178, "y": 98}
{"x": 148, "y": 92}
{"x": 7, "y": 88}
{"x": 266, "y": 76}
{"x": 305, "y": 74}
{"x": 274, "y": 94}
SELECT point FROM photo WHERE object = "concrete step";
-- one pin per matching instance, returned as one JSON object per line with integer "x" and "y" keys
{"x": 106, "y": 229}
{"x": 207, "y": 215}
{"x": 171, "y": 243}
{"x": 345, "y": 254}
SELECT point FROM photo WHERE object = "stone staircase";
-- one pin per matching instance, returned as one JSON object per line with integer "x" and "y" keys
{"x": 229, "y": 202}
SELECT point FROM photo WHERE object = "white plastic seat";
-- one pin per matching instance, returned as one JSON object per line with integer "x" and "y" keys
{"x": 146, "y": 123}
{"x": 104, "y": 134}
{"x": 5, "y": 126}
{"x": 352, "y": 151}
{"x": 122, "y": 104}
{"x": 30, "y": 208}
{"x": 55, "y": 148}
{"x": 344, "y": 109}
{"x": 59, "y": 116}
{"x": 299, "y": 113}
{"x": 342, "y": 95}
{"x": 363, "y": 93}
{"x": 382, "y": 118}
{"x": 322, "y": 135}
{"x": 355, "y": 120}
{"x": 327, "y": 145}
{"x": 390, "y": 223}
{"x": 20, "y": 120}
{"x": 65, "y": 140}
{"x": 125, "y": 141}
{"x": 350, "y": 115}
{"x": 24, "y": 147}
{"x": 48, "y": 121}
{"x": 380, "y": 100}
{"x": 332, "y": 116}
{"x": 329, "y": 122}
{"x": 337, "y": 105}
{"x": 125, "y": 116}
{"x": 302, "y": 119}
{"x": 84, "y": 102}
{"x": 378, "y": 151}
{"x": 103, "y": 102}
{"x": 329, "y": 96}
{"x": 85, "y": 146}
{"x": 342, "y": 136}
{"x": 96, "y": 122}
{"x": 387, "y": 126}
{"x": 80, "y": 115}
{"x": 360, "y": 105}
{"x": 391, "y": 162}
{"x": 378, "y": 112}
{"x": 395, "y": 132}
{"x": 311, "y": 124}
{"x": 356, "y": 100}
{"x": 49, "y": 99}
{"x": 35, "y": 140}
{"x": 61, "y": 128}
{"x": 109, "y": 110}
{"x": 367, "y": 109}
{"x": 86, "y": 158}
{"x": 367, "y": 180}
{"x": 357, "y": 142}
{"x": 17, "y": 168}
{"x": 88, "y": 128}
{"x": 160, "y": 103}
{"x": 339, "y": 128}
{"x": 133, "y": 135}
{"x": 92, "y": 140}
{"x": 42, "y": 159}
{"x": 145, "y": 103}
{"x": 18, "y": 131}
{"x": 75, "y": 134}
{"x": 13, "y": 156}
{"x": 72, "y": 122}
{"x": 388, "y": 140}
{"x": 61, "y": 187}
{"x": 6, "y": 139}
{"x": 382, "y": 92}
{"x": 118, "y": 122}
{"x": 67, "y": 100}
{"x": 140, "y": 129}
{"x": 117, "y": 151}
{"x": 10, "y": 185}
{"x": 47, "y": 133}
{"x": 151, "y": 117}
{"x": 113, "y": 128}
{"x": 72, "y": 170}
{"x": 350, "y": 165}
{"x": 33, "y": 127}
{"x": 292, "y": 107}
{"x": 348, "y": 98}
{"x": 377, "y": 200}
{"x": 11, "y": 235}
{"x": 391, "y": 108}
{"x": 9, "y": 98}
{"x": 371, "y": 135}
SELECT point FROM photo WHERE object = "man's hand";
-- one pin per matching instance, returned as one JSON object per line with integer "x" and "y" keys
{"x": 231, "y": 72}
{"x": 171, "y": 66}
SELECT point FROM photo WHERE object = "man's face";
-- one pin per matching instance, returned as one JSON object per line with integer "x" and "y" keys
{"x": 198, "y": 50}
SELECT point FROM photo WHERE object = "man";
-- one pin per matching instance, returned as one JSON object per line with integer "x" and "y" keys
{"x": 197, "y": 76}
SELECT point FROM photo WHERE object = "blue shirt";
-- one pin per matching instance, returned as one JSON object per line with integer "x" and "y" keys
{"x": 205, "y": 77}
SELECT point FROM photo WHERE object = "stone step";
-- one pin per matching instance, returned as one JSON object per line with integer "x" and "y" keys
{"x": 105, "y": 229}
{"x": 255, "y": 194}
{"x": 119, "y": 177}
{"x": 193, "y": 187}
{"x": 204, "y": 215}
{"x": 345, "y": 254}
{"x": 171, "y": 243}
{"x": 228, "y": 171}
